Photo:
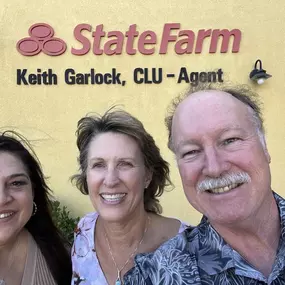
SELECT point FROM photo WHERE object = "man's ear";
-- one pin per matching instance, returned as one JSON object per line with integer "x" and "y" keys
{"x": 267, "y": 156}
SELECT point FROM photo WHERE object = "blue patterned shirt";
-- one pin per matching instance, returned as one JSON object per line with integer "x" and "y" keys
{"x": 201, "y": 256}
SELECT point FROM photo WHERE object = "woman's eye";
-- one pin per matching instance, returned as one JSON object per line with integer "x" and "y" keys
{"x": 18, "y": 183}
{"x": 98, "y": 165}
{"x": 125, "y": 163}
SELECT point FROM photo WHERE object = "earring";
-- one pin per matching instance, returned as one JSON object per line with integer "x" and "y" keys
{"x": 35, "y": 208}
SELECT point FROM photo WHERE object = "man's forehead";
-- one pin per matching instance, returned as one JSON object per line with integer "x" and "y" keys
{"x": 209, "y": 97}
{"x": 210, "y": 111}
{"x": 208, "y": 101}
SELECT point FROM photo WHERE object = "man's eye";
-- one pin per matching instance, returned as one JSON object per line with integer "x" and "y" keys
{"x": 230, "y": 140}
{"x": 191, "y": 153}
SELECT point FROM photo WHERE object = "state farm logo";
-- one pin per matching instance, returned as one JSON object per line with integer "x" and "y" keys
{"x": 131, "y": 41}
{"x": 41, "y": 39}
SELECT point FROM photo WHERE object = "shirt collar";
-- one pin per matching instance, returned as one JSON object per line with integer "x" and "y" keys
{"x": 281, "y": 207}
{"x": 213, "y": 253}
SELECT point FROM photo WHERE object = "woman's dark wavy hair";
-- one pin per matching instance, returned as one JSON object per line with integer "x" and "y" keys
{"x": 119, "y": 121}
{"x": 41, "y": 225}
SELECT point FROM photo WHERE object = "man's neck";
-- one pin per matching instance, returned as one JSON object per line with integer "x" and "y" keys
{"x": 255, "y": 239}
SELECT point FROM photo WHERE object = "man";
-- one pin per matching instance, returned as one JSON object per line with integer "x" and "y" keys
{"x": 217, "y": 136}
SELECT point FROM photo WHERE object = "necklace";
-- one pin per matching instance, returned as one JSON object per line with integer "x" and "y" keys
{"x": 119, "y": 270}
{"x": 2, "y": 281}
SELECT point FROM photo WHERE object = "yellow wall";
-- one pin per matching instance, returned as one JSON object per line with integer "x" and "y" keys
{"x": 47, "y": 115}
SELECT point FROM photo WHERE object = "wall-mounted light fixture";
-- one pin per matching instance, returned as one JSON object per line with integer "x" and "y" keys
{"x": 259, "y": 75}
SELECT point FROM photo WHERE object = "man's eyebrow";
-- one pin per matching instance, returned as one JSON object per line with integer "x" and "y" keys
{"x": 187, "y": 142}
{"x": 222, "y": 131}
{"x": 228, "y": 129}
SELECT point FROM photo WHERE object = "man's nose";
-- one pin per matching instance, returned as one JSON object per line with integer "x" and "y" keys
{"x": 111, "y": 178}
{"x": 215, "y": 163}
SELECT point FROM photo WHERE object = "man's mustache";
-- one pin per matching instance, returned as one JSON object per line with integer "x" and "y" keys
{"x": 223, "y": 181}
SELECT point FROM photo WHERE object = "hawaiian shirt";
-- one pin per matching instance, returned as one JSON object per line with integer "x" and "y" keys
{"x": 85, "y": 264}
{"x": 201, "y": 256}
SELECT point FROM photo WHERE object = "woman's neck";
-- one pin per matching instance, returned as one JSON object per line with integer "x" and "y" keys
{"x": 12, "y": 258}
{"x": 9, "y": 251}
{"x": 7, "y": 248}
{"x": 126, "y": 233}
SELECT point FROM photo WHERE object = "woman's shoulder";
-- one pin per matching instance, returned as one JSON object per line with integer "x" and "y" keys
{"x": 43, "y": 275}
{"x": 172, "y": 224}
{"x": 37, "y": 271}
{"x": 87, "y": 222}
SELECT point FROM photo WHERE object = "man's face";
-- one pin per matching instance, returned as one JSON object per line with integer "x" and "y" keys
{"x": 218, "y": 150}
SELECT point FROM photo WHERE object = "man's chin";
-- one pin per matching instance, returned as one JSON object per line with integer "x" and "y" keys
{"x": 228, "y": 218}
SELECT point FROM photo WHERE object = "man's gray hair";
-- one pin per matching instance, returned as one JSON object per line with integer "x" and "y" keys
{"x": 241, "y": 92}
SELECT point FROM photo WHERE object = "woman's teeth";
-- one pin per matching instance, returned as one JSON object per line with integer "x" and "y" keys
{"x": 113, "y": 197}
{"x": 6, "y": 215}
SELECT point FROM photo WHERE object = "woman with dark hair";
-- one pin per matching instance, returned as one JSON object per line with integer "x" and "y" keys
{"x": 123, "y": 173}
{"x": 32, "y": 251}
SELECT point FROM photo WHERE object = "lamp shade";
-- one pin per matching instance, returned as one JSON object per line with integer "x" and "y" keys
{"x": 259, "y": 75}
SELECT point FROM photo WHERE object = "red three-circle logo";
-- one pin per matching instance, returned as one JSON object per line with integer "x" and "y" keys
{"x": 41, "y": 39}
